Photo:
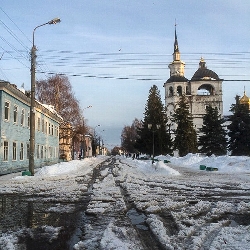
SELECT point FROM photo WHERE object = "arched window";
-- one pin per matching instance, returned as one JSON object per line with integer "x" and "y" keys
{"x": 171, "y": 91}
{"x": 179, "y": 90}
{"x": 206, "y": 89}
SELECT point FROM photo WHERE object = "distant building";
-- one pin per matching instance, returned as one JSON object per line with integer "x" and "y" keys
{"x": 204, "y": 89}
{"x": 15, "y": 131}
{"x": 88, "y": 146}
{"x": 245, "y": 100}
{"x": 65, "y": 141}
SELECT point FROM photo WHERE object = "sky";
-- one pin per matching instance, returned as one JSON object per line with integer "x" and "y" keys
{"x": 113, "y": 51}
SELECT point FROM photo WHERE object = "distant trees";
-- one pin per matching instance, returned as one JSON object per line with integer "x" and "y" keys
{"x": 115, "y": 150}
{"x": 239, "y": 129}
{"x": 155, "y": 115}
{"x": 185, "y": 134}
{"x": 213, "y": 138}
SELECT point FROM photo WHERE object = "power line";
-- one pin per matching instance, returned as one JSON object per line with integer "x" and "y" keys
{"x": 15, "y": 25}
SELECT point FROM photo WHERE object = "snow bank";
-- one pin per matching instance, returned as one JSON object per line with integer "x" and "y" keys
{"x": 225, "y": 163}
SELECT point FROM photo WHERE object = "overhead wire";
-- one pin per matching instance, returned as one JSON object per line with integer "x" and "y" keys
{"x": 96, "y": 64}
{"x": 26, "y": 58}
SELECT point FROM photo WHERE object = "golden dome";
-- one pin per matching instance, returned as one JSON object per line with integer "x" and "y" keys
{"x": 245, "y": 99}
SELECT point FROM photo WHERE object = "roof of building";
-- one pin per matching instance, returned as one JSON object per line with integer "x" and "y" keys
{"x": 177, "y": 78}
{"x": 12, "y": 89}
{"x": 203, "y": 73}
{"x": 244, "y": 99}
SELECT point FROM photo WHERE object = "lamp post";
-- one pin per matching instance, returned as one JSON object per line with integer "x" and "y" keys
{"x": 150, "y": 126}
{"x": 32, "y": 96}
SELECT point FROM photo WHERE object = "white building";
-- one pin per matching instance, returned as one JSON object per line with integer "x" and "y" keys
{"x": 204, "y": 89}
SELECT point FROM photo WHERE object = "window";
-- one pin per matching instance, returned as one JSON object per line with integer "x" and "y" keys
{"x": 28, "y": 119}
{"x": 42, "y": 152}
{"x": 49, "y": 129}
{"x": 5, "y": 150}
{"x": 22, "y": 117}
{"x": 56, "y": 131}
{"x": 171, "y": 91}
{"x": 179, "y": 91}
{"x": 50, "y": 152}
{"x": 21, "y": 151}
{"x": 38, "y": 123}
{"x": 14, "y": 151}
{"x": 28, "y": 151}
{"x": 52, "y": 129}
{"x": 15, "y": 114}
{"x": 38, "y": 151}
{"x": 46, "y": 128}
{"x": 6, "y": 110}
{"x": 43, "y": 125}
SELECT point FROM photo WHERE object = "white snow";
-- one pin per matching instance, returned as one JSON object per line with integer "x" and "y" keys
{"x": 138, "y": 178}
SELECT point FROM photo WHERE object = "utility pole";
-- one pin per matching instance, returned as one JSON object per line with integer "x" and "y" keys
{"x": 32, "y": 97}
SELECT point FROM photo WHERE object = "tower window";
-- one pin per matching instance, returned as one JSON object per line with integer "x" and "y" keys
{"x": 171, "y": 91}
{"x": 179, "y": 91}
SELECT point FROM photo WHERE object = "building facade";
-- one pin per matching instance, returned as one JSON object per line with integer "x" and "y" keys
{"x": 204, "y": 89}
{"x": 65, "y": 141}
{"x": 15, "y": 131}
{"x": 88, "y": 145}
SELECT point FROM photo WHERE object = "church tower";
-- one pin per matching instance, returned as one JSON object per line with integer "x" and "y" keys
{"x": 177, "y": 85}
{"x": 177, "y": 66}
{"x": 203, "y": 90}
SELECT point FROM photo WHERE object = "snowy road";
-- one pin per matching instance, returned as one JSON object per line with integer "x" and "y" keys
{"x": 119, "y": 203}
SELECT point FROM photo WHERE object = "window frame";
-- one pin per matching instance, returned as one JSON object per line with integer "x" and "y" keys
{"x": 22, "y": 117}
{"x": 5, "y": 151}
{"x": 14, "y": 151}
{"x": 15, "y": 114}
{"x": 21, "y": 151}
{"x": 7, "y": 111}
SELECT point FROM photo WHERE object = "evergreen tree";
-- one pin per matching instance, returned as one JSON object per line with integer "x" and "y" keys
{"x": 154, "y": 114}
{"x": 185, "y": 134}
{"x": 213, "y": 139}
{"x": 239, "y": 130}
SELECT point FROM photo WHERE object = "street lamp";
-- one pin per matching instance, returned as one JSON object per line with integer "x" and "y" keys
{"x": 32, "y": 96}
{"x": 150, "y": 126}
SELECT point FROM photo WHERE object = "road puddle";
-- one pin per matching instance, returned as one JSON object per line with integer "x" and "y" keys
{"x": 39, "y": 224}
{"x": 138, "y": 219}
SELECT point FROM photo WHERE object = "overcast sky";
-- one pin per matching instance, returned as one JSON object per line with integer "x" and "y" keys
{"x": 113, "y": 51}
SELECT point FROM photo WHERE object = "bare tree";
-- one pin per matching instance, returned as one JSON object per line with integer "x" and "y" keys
{"x": 129, "y": 136}
{"x": 57, "y": 91}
